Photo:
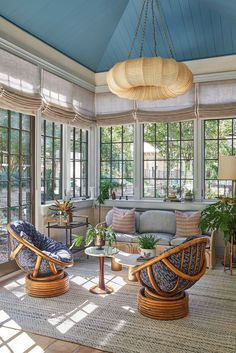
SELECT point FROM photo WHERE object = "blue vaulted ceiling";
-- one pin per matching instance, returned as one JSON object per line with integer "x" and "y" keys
{"x": 98, "y": 33}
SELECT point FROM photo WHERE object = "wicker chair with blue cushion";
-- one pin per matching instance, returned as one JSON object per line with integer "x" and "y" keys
{"x": 165, "y": 278}
{"x": 42, "y": 258}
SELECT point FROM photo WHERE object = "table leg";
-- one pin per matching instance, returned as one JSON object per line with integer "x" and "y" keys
{"x": 101, "y": 288}
{"x": 131, "y": 277}
{"x": 115, "y": 266}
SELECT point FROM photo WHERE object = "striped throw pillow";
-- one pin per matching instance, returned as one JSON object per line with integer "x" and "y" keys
{"x": 187, "y": 223}
{"x": 123, "y": 221}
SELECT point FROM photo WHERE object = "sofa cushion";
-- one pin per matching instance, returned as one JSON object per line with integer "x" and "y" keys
{"x": 177, "y": 241}
{"x": 127, "y": 238}
{"x": 123, "y": 221}
{"x": 187, "y": 223}
{"x": 157, "y": 221}
{"x": 109, "y": 217}
{"x": 164, "y": 238}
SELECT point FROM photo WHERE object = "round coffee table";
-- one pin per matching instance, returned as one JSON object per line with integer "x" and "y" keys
{"x": 128, "y": 260}
{"x": 106, "y": 251}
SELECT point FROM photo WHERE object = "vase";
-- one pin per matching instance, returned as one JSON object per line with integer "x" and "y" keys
{"x": 99, "y": 242}
{"x": 148, "y": 253}
{"x": 69, "y": 217}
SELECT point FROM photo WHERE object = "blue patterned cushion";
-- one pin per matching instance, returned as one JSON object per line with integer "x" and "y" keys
{"x": 26, "y": 258}
{"x": 166, "y": 279}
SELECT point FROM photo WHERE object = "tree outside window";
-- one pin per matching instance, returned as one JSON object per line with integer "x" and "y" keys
{"x": 117, "y": 157}
{"x": 168, "y": 153}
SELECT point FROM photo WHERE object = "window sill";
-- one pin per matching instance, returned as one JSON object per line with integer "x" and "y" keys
{"x": 157, "y": 204}
{"x": 77, "y": 203}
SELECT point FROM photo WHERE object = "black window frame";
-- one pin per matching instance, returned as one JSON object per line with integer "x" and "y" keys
{"x": 180, "y": 140}
{"x": 121, "y": 161}
{"x": 81, "y": 160}
{"x": 218, "y": 140}
{"x": 44, "y": 135}
{"x": 25, "y": 159}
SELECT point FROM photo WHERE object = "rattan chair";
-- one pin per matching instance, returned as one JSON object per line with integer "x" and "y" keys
{"x": 165, "y": 278}
{"x": 42, "y": 258}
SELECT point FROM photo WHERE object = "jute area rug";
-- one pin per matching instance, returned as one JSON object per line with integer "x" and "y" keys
{"x": 112, "y": 322}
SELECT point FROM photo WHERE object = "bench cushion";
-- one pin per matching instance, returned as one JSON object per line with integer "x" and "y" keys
{"x": 157, "y": 222}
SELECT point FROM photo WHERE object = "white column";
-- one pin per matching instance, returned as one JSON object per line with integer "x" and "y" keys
{"x": 93, "y": 164}
{"x": 66, "y": 161}
{"x": 138, "y": 153}
{"x": 37, "y": 145}
{"x": 198, "y": 160}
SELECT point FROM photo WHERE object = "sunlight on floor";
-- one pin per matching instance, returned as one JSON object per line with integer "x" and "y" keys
{"x": 17, "y": 287}
{"x": 110, "y": 335}
{"x": 64, "y": 323}
{"x": 13, "y": 340}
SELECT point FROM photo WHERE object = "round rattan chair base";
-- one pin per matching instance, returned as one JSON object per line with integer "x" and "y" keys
{"x": 163, "y": 309}
{"x": 47, "y": 288}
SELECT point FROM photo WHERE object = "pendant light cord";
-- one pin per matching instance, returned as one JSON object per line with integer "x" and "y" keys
{"x": 155, "y": 22}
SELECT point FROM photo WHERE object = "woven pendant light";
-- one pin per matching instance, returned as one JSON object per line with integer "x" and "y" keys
{"x": 151, "y": 78}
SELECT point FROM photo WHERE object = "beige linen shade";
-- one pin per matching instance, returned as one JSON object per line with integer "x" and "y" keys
{"x": 227, "y": 170}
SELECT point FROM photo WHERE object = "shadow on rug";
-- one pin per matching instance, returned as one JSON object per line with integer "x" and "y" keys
{"x": 112, "y": 322}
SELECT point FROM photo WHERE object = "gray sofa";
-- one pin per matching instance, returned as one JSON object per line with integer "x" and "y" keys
{"x": 162, "y": 225}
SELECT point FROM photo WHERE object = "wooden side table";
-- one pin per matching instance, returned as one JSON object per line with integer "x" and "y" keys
{"x": 106, "y": 251}
{"x": 229, "y": 255}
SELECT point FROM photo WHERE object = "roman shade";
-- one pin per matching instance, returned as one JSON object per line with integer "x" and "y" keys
{"x": 217, "y": 99}
{"x": 112, "y": 110}
{"x": 19, "y": 84}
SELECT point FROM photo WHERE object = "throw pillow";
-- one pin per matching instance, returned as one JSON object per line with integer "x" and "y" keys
{"x": 187, "y": 223}
{"x": 123, "y": 221}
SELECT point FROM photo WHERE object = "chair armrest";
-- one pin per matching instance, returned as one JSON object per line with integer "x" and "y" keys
{"x": 36, "y": 250}
{"x": 169, "y": 253}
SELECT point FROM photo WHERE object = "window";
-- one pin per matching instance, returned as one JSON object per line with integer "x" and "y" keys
{"x": 219, "y": 139}
{"x": 117, "y": 157}
{"x": 79, "y": 162}
{"x": 16, "y": 172}
{"x": 51, "y": 161}
{"x": 167, "y": 158}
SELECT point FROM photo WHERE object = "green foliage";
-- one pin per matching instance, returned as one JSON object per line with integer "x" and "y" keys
{"x": 103, "y": 232}
{"x": 147, "y": 242}
{"x": 221, "y": 216}
{"x": 77, "y": 241}
{"x": 106, "y": 187}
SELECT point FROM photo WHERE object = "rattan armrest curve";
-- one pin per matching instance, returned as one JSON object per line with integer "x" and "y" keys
{"x": 169, "y": 253}
{"x": 36, "y": 250}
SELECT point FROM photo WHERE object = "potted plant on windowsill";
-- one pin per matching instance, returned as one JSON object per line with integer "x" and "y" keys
{"x": 106, "y": 187}
{"x": 147, "y": 245}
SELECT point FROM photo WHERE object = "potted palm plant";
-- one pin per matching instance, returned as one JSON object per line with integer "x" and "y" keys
{"x": 221, "y": 216}
{"x": 147, "y": 245}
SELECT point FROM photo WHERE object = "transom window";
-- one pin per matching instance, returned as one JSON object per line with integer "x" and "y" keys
{"x": 79, "y": 162}
{"x": 16, "y": 172}
{"x": 117, "y": 157}
{"x": 51, "y": 161}
{"x": 219, "y": 140}
{"x": 168, "y": 153}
